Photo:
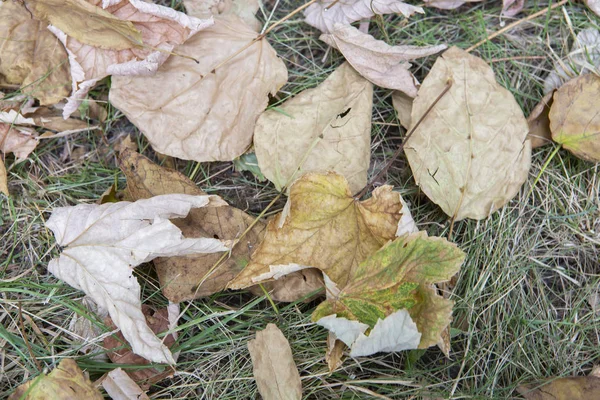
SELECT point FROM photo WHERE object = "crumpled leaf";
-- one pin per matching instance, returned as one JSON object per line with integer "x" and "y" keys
{"x": 384, "y": 65}
{"x": 575, "y": 119}
{"x": 470, "y": 154}
{"x": 167, "y": 108}
{"x": 130, "y": 37}
{"x": 539, "y": 123}
{"x": 510, "y": 8}
{"x": 66, "y": 381}
{"x": 403, "y": 105}
{"x": 273, "y": 365}
{"x": 324, "y": 14}
{"x": 331, "y": 127}
{"x": 323, "y": 226}
{"x": 120, "y": 386}
{"x": 31, "y": 56}
{"x": 584, "y": 58}
{"x": 448, "y": 4}
{"x": 120, "y": 353}
{"x": 397, "y": 277}
{"x": 103, "y": 243}
{"x": 245, "y": 9}
{"x": 16, "y": 135}
{"x": 571, "y": 388}
{"x": 179, "y": 276}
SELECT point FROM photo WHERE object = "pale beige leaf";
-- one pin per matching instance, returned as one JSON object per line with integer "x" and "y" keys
{"x": 510, "y": 8}
{"x": 17, "y": 139}
{"x": 324, "y": 14}
{"x": 594, "y": 5}
{"x": 448, "y": 4}
{"x": 196, "y": 112}
{"x": 273, "y": 365}
{"x": 470, "y": 155}
{"x": 539, "y": 123}
{"x": 384, "y": 65}
{"x": 30, "y": 56}
{"x": 120, "y": 386}
{"x": 3, "y": 178}
{"x": 403, "y": 105}
{"x": 331, "y": 127}
{"x": 103, "y": 243}
{"x": 245, "y": 9}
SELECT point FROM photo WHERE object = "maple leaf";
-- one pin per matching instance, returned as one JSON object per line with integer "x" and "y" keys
{"x": 273, "y": 365}
{"x": 31, "y": 56}
{"x": 384, "y": 65}
{"x": 575, "y": 119}
{"x": 332, "y": 131}
{"x": 324, "y": 14}
{"x": 103, "y": 243}
{"x": 66, "y": 381}
{"x": 470, "y": 155}
{"x": 323, "y": 226}
{"x": 166, "y": 109}
{"x": 399, "y": 276}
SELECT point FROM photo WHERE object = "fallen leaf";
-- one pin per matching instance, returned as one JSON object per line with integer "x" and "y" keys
{"x": 584, "y": 58}
{"x": 397, "y": 277}
{"x": 539, "y": 123}
{"x": 166, "y": 107}
{"x": 324, "y": 14}
{"x": 324, "y": 227}
{"x": 31, "y": 56}
{"x": 273, "y": 365}
{"x": 103, "y": 243}
{"x": 120, "y": 386}
{"x": 179, "y": 276}
{"x": 3, "y": 179}
{"x": 332, "y": 132}
{"x": 248, "y": 162}
{"x": 510, "y": 8}
{"x": 594, "y": 5}
{"x": 384, "y": 65}
{"x": 66, "y": 381}
{"x": 448, "y": 4}
{"x": 245, "y": 9}
{"x": 86, "y": 333}
{"x": 130, "y": 37}
{"x": 572, "y": 388}
{"x": 17, "y": 135}
{"x": 334, "y": 352}
{"x": 470, "y": 155}
{"x": 575, "y": 118}
{"x": 120, "y": 353}
{"x": 403, "y": 105}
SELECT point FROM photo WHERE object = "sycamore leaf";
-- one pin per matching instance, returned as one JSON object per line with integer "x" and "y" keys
{"x": 332, "y": 131}
{"x": 571, "y": 388}
{"x": 273, "y": 365}
{"x": 167, "y": 107}
{"x": 31, "y": 56}
{"x": 158, "y": 30}
{"x": 103, "y": 243}
{"x": 583, "y": 58}
{"x": 510, "y": 8}
{"x": 3, "y": 178}
{"x": 448, "y": 4}
{"x": 403, "y": 105}
{"x": 594, "y": 5}
{"x": 539, "y": 122}
{"x": 470, "y": 155}
{"x": 120, "y": 386}
{"x": 575, "y": 117}
{"x": 245, "y": 9}
{"x": 398, "y": 276}
{"x": 324, "y": 14}
{"x": 384, "y": 65}
{"x": 323, "y": 227}
{"x": 66, "y": 381}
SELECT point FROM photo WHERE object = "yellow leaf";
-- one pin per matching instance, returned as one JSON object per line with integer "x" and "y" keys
{"x": 573, "y": 388}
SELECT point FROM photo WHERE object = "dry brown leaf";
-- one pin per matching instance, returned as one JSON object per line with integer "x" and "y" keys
{"x": 196, "y": 112}
{"x": 384, "y": 65}
{"x": 324, "y": 227}
{"x": 17, "y": 134}
{"x": 510, "y": 8}
{"x": 245, "y": 9}
{"x": 324, "y": 14}
{"x": 30, "y": 56}
{"x": 448, "y": 4}
{"x": 120, "y": 353}
{"x": 594, "y": 5}
{"x": 273, "y": 365}
{"x": 403, "y": 105}
{"x": 539, "y": 123}
{"x": 335, "y": 352}
{"x": 331, "y": 127}
{"x": 65, "y": 382}
{"x": 470, "y": 154}
{"x": 575, "y": 117}
{"x": 572, "y": 388}
{"x": 3, "y": 179}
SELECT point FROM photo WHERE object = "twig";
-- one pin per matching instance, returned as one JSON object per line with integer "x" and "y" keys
{"x": 510, "y": 26}
{"x": 401, "y": 147}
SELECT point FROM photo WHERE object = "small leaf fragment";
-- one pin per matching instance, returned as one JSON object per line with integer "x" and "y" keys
{"x": 594, "y": 5}
{"x": 274, "y": 369}
{"x": 66, "y": 381}
{"x": 539, "y": 122}
{"x": 3, "y": 178}
{"x": 403, "y": 105}
{"x": 572, "y": 388}
{"x": 120, "y": 386}
{"x": 575, "y": 117}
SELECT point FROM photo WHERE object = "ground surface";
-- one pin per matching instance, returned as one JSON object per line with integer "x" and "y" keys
{"x": 525, "y": 298}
